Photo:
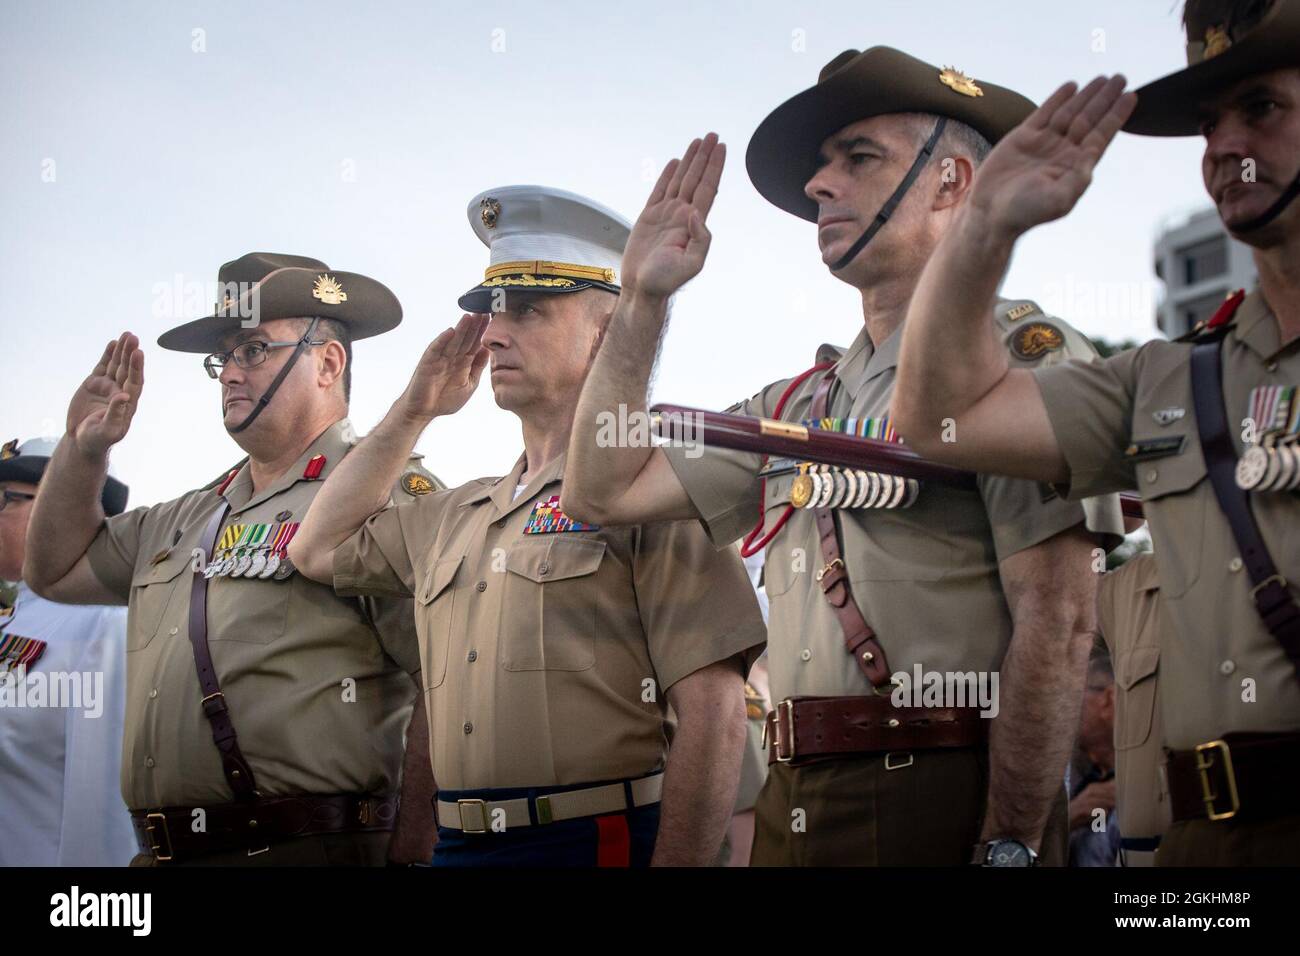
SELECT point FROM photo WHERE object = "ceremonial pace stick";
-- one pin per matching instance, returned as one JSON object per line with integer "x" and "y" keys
{"x": 790, "y": 440}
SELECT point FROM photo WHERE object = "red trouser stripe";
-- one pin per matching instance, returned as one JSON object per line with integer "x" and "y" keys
{"x": 615, "y": 845}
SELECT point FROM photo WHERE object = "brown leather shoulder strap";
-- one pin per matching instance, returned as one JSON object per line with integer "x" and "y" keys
{"x": 1273, "y": 600}
{"x": 859, "y": 639}
{"x": 238, "y": 773}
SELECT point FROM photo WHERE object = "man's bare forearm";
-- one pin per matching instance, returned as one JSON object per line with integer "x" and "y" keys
{"x": 702, "y": 777}
{"x": 951, "y": 314}
{"x": 66, "y": 514}
{"x": 360, "y": 485}
{"x": 594, "y": 477}
{"x": 1041, "y": 692}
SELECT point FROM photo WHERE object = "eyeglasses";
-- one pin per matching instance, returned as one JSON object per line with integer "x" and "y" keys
{"x": 247, "y": 355}
{"x": 9, "y": 496}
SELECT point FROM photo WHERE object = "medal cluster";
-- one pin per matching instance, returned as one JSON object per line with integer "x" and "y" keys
{"x": 1272, "y": 462}
{"x": 253, "y": 551}
{"x": 829, "y": 486}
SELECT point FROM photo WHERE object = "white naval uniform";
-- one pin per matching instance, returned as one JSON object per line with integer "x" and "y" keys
{"x": 60, "y": 788}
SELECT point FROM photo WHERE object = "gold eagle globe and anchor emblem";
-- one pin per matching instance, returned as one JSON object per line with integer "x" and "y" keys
{"x": 489, "y": 211}
{"x": 328, "y": 290}
{"x": 959, "y": 82}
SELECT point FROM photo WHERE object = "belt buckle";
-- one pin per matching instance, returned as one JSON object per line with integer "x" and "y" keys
{"x": 788, "y": 704}
{"x": 481, "y": 806}
{"x": 904, "y": 760}
{"x": 152, "y": 829}
{"x": 1204, "y": 761}
{"x": 828, "y": 568}
{"x": 1271, "y": 579}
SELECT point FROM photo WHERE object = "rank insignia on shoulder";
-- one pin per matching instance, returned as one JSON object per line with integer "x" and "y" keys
{"x": 1036, "y": 340}
{"x": 1155, "y": 448}
{"x": 16, "y": 652}
{"x": 414, "y": 483}
{"x": 1021, "y": 310}
{"x": 547, "y": 518}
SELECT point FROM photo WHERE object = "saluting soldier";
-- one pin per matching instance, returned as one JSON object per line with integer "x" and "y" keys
{"x": 1203, "y": 427}
{"x": 869, "y": 576}
{"x": 1128, "y": 615}
{"x": 552, "y": 649}
{"x": 265, "y": 715}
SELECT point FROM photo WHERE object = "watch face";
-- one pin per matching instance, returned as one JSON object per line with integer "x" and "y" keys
{"x": 1008, "y": 853}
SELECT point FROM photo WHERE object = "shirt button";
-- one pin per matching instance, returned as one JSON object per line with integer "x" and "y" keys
{"x": 153, "y": 693}
{"x": 1234, "y": 564}
{"x": 1227, "y": 667}
{"x": 1271, "y": 366}
{"x": 174, "y": 631}
{"x": 148, "y": 761}
{"x": 472, "y": 656}
{"x": 501, "y": 523}
{"x": 544, "y": 569}
{"x": 1152, "y": 474}
{"x": 469, "y": 728}
{"x": 805, "y": 655}
{"x": 481, "y": 586}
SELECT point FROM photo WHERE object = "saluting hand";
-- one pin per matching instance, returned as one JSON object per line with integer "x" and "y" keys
{"x": 101, "y": 411}
{"x": 448, "y": 371}
{"x": 1040, "y": 169}
{"x": 669, "y": 242}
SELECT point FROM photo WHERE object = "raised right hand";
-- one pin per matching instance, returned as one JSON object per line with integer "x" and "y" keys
{"x": 448, "y": 371}
{"x": 669, "y": 242}
{"x": 1041, "y": 168}
{"x": 100, "y": 413}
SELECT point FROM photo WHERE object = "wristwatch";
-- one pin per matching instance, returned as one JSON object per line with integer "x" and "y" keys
{"x": 1004, "y": 853}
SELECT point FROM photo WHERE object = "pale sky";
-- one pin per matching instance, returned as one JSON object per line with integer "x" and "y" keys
{"x": 147, "y": 143}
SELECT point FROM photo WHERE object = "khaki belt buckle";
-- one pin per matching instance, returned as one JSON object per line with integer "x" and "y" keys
{"x": 788, "y": 704}
{"x": 153, "y": 830}
{"x": 481, "y": 806}
{"x": 1204, "y": 761}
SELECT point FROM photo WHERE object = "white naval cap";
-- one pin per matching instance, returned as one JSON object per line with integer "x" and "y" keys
{"x": 26, "y": 462}
{"x": 542, "y": 239}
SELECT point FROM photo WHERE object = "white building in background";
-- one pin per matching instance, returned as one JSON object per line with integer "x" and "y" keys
{"x": 1201, "y": 265}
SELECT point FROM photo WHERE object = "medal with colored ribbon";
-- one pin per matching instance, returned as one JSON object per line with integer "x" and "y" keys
{"x": 277, "y": 564}
{"x": 222, "y": 551}
{"x": 252, "y": 544}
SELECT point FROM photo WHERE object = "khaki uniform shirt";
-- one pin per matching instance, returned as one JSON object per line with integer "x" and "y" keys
{"x": 547, "y": 656}
{"x": 1222, "y": 669}
{"x": 1128, "y": 611}
{"x": 317, "y": 685}
{"x": 925, "y": 578}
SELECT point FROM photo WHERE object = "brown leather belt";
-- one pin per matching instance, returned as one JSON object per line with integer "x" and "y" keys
{"x": 804, "y": 728}
{"x": 1240, "y": 776}
{"x": 168, "y": 834}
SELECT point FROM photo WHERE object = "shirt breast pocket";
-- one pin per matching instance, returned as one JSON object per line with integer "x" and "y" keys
{"x": 1135, "y": 701}
{"x": 548, "y": 615}
{"x": 158, "y": 599}
{"x": 1176, "y": 489}
{"x": 433, "y": 610}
